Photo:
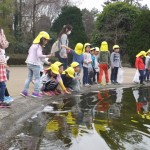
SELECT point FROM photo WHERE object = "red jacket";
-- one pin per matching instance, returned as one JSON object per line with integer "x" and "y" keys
{"x": 139, "y": 64}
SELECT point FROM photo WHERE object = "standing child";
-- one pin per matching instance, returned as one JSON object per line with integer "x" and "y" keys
{"x": 139, "y": 64}
{"x": 104, "y": 62}
{"x": 115, "y": 64}
{"x": 34, "y": 63}
{"x": 146, "y": 66}
{"x": 87, "y": 64}
{"x": 96, "y": 67}
{"x": 93, "y": 71}
{"x": 3, "y": 66}
{"x": 75, "y": 85}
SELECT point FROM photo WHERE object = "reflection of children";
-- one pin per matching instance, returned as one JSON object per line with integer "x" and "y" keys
{"x": 139, "y": 64}
{"x": 115, "y": 64}
{"x": 104, "y": 62}
{"x": 87, "y": 64}
{"x": 147, "y": 59}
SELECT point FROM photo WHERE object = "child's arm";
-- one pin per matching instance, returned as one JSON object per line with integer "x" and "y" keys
{"x": 68, "y": 49}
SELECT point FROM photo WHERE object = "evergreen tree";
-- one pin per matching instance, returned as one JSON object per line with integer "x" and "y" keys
{"x": 73, "y": 16}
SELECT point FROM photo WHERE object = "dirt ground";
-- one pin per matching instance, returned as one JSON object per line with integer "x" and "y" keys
{"x": 19, "y": 74}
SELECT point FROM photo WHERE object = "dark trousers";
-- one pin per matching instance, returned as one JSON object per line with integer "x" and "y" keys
{"x": 85, "y": 75}
{"x": 114, "y": 73}
{"x": 6, "y": 92}
{"x": 141, "y": 77}
{"x": 146, "y": 75}
{"x": 65, "y": 62}
{"x": 2, "y": 91}
{"x": 94, "y": 74}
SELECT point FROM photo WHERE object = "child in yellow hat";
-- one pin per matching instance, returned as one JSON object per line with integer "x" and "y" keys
{"x": 67, "y": 77}
{"x": 139, "y": 64}
{"x": 104, "y": 62}
{"x": 75, "y": 85}
{"x": 33, "y": 61}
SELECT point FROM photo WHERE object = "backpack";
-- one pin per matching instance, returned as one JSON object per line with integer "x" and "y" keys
{"x": 3, "y": 41}
{"x": 55, "y": 47}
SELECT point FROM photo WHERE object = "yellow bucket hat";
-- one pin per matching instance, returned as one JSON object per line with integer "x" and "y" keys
{"x": 40, "y": 35}
{"x": 85, "y": 45}
{"x": 97, "y": 49}
{"x": 54, "y": 68}
{"x": 58, "y": 63}
{"x": 148, "y": 51}
{"x": 115, "y": 47}
{"x": 79, "y": 48}
{"x": 104, "y": 46}
{"x": 70, "y": 72}
{"x": 74, "y": 64}
{"x": 141, "y": 53}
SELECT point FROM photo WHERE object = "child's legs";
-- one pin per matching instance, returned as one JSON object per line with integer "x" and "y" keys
{"x": 94, "y": 75}
{"x": 97, "y": 74}
{"x": 65, "y": 62}
{"x": 106, "y": 73}
{"x": 2, "y": 91}
{"x": 36, "y": 74}
{"x": 29, "y": 78}
{"x": 115, "y": 73}
{"x": 146, "y": 74}
{"x": 85, "y": 75}
{"x": 101, "y": 73}
{"x": 6, "y": 92}
{"x": 112, "y": 74}
{"x": 141, "y": 76}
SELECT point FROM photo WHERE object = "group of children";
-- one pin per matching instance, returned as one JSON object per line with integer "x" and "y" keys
{"x": 88, "y": 66}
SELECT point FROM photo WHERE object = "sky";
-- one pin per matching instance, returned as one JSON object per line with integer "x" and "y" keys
{"x": 89, "y": 4}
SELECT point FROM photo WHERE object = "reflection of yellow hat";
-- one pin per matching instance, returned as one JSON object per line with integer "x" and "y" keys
{"x": 74, "y": 64}
{"x": 141, "y": 53}
{"x": 54, "y": 68}
{"x": 148, "y": 51}
{"x": 97, "y": 49}
{"x": 58, "y": 63}
{"x": 104, "y": 46}
{"x": 116, "y": 47}
{"x": 52, "y": 126}
{"x": 85, "y": 45}
{"x": 70, "y": 72}
{"x": 41, "y": 34}
{"x": 79, "y": 48}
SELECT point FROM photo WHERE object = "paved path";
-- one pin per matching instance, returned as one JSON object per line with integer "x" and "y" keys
{"x": 19, "y": 74}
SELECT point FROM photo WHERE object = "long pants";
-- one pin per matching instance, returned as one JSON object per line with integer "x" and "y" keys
{"x": 85, "y": 75}
{"x": 146, "y": 75}
{"x": 94, "y": 75}
{"x": 2, "y": 91}
{"x": 114, "y": 73}
{"x": 103, "y": 68}
{"x": 141, "y": 77}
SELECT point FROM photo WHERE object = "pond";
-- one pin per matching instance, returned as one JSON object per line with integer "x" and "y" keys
{"x": 115, "y": 119}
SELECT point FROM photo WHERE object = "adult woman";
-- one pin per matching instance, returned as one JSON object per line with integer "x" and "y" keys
{"x": 63, "y": 40}
{"x": 33, "y": 61}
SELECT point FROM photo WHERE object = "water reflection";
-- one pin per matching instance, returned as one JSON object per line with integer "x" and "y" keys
{"x": 109, "y": 119}
{"x": 142, "y": 97}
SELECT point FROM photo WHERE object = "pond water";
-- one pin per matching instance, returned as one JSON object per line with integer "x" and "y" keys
{"x": 115, "y": 119}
